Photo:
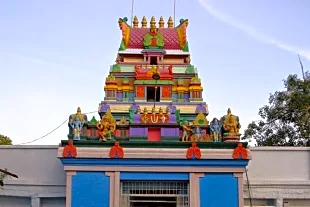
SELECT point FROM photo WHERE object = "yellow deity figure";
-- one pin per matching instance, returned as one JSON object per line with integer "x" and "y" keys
{"x": 106, "y": 126}
{"x": 231, "y": 123}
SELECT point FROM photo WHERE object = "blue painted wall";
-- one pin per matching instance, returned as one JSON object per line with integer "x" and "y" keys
{"x": 154, "y": 162}
{"x": 90, "y": 189}
{"x": 153, "y": 176}
{"x": 219, "y": 190}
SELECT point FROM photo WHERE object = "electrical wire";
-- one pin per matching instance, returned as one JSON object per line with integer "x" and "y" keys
{"x": 34, "y": 140}
{"x": 248, "y": 185}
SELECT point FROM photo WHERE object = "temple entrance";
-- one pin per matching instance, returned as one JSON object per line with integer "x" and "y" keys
{"x": 154, "y": 194}
{"x": 153, "y": 60}
{"x": 150, "y": 94}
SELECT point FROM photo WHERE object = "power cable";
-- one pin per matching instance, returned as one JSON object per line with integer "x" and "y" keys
{"x": 51, "y": 131}
{"x": 248, "y": 185}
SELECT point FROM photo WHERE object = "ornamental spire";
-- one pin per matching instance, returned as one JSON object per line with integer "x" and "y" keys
{"x": 170, "y": 22}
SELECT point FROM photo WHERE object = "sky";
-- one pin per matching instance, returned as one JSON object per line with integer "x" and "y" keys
{"x": 55, "y": 55}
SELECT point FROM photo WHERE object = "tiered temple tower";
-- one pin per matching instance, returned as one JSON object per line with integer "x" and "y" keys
{"x": 152, "y": 140}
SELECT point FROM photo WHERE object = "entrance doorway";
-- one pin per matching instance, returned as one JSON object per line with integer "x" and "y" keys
{"x": 150, "y": 94}
{"x": 154, "y": 193}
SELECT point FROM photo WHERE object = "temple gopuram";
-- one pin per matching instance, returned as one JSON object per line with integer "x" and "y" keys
{"x": 152, "y": 144}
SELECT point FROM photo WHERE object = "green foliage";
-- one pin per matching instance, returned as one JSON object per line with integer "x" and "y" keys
{"x": 4, "y": 140}
{"x": 286, "y": 119}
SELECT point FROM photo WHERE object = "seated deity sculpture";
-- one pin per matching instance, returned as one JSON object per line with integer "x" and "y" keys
{"x": 231, "y": 124}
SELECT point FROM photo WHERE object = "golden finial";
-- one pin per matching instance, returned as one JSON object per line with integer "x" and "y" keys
{"x": 145, "y": 110}
{"x": 135, "y": 22}
{"x": 170, "y": 22}
{"x": 144, "y": 22}
{"x": 161, "y": 22}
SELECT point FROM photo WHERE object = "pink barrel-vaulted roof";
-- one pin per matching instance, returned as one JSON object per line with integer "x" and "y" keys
{"x": 170, "y": 37}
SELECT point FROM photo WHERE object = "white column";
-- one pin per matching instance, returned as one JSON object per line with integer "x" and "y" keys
{"x": 280, "y": 202}
{"x": 35, "y": 202}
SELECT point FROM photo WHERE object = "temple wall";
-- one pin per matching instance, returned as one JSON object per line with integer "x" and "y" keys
{"x": 133, "y": 59}
{"x": 173, "y": 60}
{"x": 278, "y": 176}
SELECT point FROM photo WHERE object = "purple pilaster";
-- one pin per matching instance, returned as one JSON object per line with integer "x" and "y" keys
{"x": 138, "y": 131}
{"x": 137, "y": 118}
{"x": 167, "y": 132}
{"x": 186, "y": 96}
{"x": 119, "y": 95}
{"x": 172, "y": 119}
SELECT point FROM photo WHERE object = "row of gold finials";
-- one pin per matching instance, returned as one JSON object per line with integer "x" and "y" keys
{"x": 152, "y": 22}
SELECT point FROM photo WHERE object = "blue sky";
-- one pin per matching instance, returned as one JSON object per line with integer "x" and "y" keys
{"x": 55, "y": 55}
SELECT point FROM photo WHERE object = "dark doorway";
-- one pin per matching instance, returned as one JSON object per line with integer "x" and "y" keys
{"x": 150, "y": 94}
{"x": 153, "y": 60}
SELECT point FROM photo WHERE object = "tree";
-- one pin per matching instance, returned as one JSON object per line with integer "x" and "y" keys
{"x": 4, "y": 140}
{"x": 286, "y": 119}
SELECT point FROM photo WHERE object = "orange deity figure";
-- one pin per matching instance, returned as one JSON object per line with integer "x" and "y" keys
{"x": 106, "y": 126}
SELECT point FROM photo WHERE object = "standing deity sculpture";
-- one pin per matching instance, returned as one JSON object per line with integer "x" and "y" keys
{"x": 76, "y": 122}
{"x": 187, "y": 132}
{"x": 216, "y": 130}
{"x": 106, "y": 126}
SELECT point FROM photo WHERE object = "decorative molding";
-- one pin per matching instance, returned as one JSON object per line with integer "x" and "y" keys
{"x": 69, "y": 187}
{"x": 152, "y": 153}
{"x": 155, "y": 169}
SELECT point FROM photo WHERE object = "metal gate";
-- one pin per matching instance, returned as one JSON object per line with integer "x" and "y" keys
{"x": 164, "y": 193}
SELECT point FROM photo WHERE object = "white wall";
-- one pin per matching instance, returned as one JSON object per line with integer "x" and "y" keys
{"x": 41, "y": 177}
{"x": 279, "y": 174}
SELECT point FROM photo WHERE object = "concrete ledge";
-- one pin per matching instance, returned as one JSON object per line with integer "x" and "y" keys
{"x": 278, "y": 149}
{"x": 151, "y": 153}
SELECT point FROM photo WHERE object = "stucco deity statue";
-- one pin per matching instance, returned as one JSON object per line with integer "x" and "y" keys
{"x": 76, "y": 122}
{"x": 197, "y": 133}
{"x": 187, "y": 132}
{"x": 231, "y": 124}
{"x": 216, "y": 130}
{"x": 106, "y": 126}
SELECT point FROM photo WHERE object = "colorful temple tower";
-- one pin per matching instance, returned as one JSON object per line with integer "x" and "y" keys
{"x": 153, "y": 145}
